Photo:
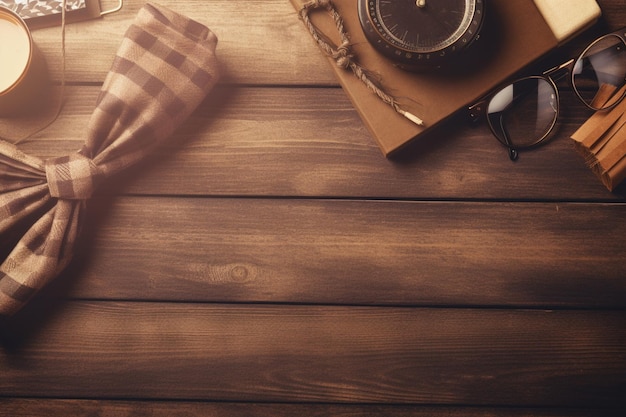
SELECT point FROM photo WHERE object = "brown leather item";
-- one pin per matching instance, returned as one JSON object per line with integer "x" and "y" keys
{"x": 601, "y": 140}
{"x": 515, "y": 34}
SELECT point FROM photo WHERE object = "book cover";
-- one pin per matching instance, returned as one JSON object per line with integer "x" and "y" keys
{"x": 515, "y": 34}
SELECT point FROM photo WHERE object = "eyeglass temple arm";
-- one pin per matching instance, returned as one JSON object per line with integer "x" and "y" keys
{"x": 477, "y": 111}
{"x": 513, "y": 153}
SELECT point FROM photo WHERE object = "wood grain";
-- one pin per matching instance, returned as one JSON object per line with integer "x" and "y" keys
{"x": 245, "y": 33}
{"x": 270, "y": 261}
{"x": 91, "y": 408}
{"x": 353, "y": 252}
{"x": 323, "y": 354}
{"x": 311, "y": 142}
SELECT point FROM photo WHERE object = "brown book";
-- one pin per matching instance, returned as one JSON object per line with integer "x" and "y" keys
{"x": 516, "y": 33}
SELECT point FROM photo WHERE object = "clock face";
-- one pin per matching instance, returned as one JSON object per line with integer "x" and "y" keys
{"x": 421, "y": 30}
{"x": 423, "y": 26}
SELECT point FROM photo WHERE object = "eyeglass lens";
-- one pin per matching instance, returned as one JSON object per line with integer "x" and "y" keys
{"x": 523, "y": 113}
{"x": 600, "y": 73}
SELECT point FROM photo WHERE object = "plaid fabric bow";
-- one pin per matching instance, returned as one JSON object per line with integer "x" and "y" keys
{"x": 163, "y": 70}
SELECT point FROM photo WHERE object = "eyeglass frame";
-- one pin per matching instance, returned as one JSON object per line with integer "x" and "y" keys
{"x": 479, "y": 110}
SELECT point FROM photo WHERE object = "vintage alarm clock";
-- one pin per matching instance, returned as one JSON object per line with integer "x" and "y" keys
{"x": 422, "y": 34}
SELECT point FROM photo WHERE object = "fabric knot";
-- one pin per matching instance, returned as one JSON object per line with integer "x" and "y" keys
{"x": 71, "y": 177}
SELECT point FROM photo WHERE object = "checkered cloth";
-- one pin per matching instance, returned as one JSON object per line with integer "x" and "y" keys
{"x": 163, "y": 70}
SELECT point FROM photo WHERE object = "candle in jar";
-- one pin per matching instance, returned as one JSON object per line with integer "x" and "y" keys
{"x": 15, "y": 50}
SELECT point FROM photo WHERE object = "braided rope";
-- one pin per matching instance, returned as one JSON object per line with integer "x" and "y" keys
{"x": 343, "y": 56}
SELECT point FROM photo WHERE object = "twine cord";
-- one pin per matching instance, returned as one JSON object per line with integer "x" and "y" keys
{"x": 343, "y": 56}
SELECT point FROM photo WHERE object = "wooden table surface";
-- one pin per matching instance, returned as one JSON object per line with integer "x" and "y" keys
{"x": 271, "y": 262}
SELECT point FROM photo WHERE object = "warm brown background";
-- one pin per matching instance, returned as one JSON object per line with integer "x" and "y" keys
{"x": 273, "y": 263}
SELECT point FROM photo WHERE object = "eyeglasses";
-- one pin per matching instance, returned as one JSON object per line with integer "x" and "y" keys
{"x": 522, "y": 114}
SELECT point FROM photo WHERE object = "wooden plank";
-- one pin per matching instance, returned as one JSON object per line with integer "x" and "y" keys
{"x": 614, "y": 14}
{"x": 310, "y": 142}
{"x": 90, "y": 408}
{"x": 352, "y": 252}
{"x": 321, "y": 354}
{"x": 267, "y": 33}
